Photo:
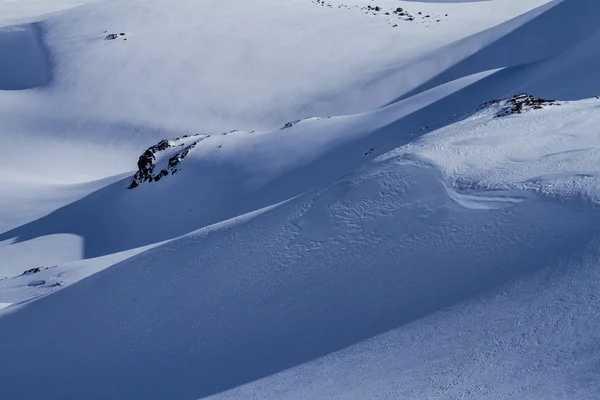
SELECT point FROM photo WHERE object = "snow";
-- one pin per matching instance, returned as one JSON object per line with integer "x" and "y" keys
{"x": 523, "y": 341}
{"x": 551, "y": 151}
{"x": 17, "y": 289}
{"x": 349, "y": 222}
{"x": 30, "y": 65}
{"x": 345, "y": 263}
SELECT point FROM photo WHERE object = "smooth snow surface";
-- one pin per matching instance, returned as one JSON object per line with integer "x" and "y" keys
{"x": 27, "y": 63}
{"x": 344, "y": 219}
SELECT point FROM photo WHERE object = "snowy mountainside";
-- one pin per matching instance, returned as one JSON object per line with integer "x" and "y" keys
{"x": 166, "y": 158}
{"x": 283, "y": 200}
{"x": 343, "y": 263}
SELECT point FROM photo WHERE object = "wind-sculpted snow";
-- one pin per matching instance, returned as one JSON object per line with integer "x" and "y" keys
{"x": 442, "y": 246}
{"x": 554, "y": 150}
{"x": 166, "y": 158}
{"x": 218, "y": 308}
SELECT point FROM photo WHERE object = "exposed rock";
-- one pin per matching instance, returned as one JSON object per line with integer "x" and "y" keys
{"x": 31, "y": 271}
{"x": 113, "y": 36}
{"x": 167, "y": 153}
{"x": 290, "y": 124}
{"x": 517, "y": 105}
{"x": 391, "y": 15}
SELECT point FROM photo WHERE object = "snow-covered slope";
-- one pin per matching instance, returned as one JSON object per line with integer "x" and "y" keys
{"x": 71, "y": 120}
{"x": 387, "y": 221}
{"x": 219, "y": 308}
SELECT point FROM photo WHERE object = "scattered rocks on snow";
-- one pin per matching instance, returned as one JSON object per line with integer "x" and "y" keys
{"x": 517, "y": 105}
{"x": 113, "y": 36}
{"x": 393, "y": 14}
{"x": 292, "y": 123}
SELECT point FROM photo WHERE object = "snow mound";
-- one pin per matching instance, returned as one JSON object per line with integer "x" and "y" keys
{"x": 24, "y": 60}
{"x": 554, "y": 151}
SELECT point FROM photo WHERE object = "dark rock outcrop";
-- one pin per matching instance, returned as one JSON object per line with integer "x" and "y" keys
{"x": 172, "y": 152}
{"x": 517, "y": 105}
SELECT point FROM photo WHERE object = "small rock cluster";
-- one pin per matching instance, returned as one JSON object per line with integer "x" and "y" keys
{"x": 517, "y": 105}
{"x": 393, "y": 14}
{"x": 114, "y": 36}
{"x": 290, "y": 124}
{"x": 32, "y": 271}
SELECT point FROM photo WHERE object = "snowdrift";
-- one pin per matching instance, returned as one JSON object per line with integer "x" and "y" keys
{"x": 333, "y": 267}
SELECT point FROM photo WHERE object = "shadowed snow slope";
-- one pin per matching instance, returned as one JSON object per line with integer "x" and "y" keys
{"x": 427, "y": 249}
{"x": 24, "y": 60}
{"x": 570, "y": 75}
{"x": 526, "y": 39}
{"x": 219, "y": 308}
